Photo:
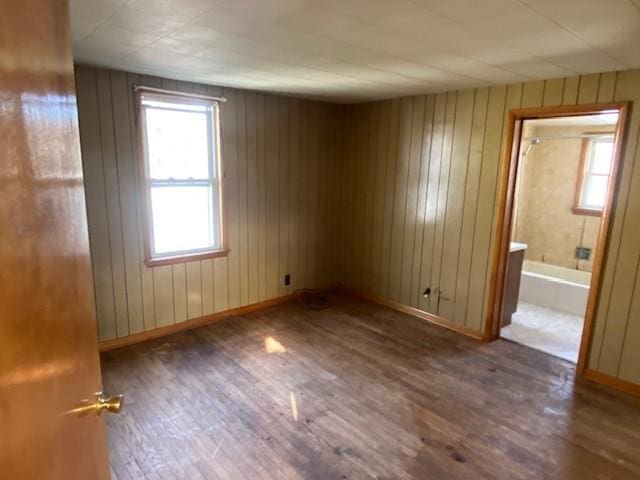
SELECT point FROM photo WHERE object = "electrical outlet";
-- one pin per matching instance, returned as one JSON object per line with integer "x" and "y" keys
{"x": 287, "y": 279}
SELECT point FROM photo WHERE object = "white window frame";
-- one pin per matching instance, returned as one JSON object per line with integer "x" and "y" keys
{"x": 215, "y": 180}
{"x": 585, "y": 174}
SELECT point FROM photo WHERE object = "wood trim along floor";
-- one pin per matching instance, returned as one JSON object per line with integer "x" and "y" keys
{"x": 114, "y": 343}
{"x": 612, "y": 382}
{"x": 414, "y": 312}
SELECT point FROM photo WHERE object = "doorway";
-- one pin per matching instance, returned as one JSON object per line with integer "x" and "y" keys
{"x": 557, "y": 190}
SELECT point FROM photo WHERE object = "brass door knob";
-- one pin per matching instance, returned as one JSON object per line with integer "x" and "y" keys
{"x": 111, "y": 404}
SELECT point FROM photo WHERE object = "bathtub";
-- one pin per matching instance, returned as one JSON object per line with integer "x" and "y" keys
{"x": 555, "y": 287}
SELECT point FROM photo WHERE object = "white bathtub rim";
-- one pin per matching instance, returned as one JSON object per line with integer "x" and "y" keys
{"x": 555, "y": 279}
{"x": 557, "y": 272}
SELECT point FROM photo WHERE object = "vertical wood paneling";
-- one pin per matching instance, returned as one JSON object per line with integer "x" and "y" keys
{"x": 452, "y": 223}
{"x": 607, "y": 87}
{"x": 421, "y": 208}
{"x": 148, "y": 294}
{"x": 553, "y": 92}
{"x": 261, "y": 196}
{"x": 352, "y": 175}
{"x": 570, "y": 93}
{"x": 342, "y": 113}
{"x": 411, "y": 205}
{"x": 252, "y": 198}
{"x": 624, "y": 89}
{"x": 382, "y": 133}
{"x": 629, "y": 362}
{"x": 90, "y": 142}
{"x": 400, "y": 197}
{"x": 112, "y": 199}
{"x": 263, "y": 158}
{"x": 441, "y": 202}
{"x": 369, "y": 198}
{"x": 242, "y": 192}
{"x": 283, "y": 194}
{"x": 588, "y": 92}
{"x": 303, "y": 194}
{"x": 513, "y": 100}
{"x": 294, "y": 191}
{"x": 230, "y": 140}
{"x": 336, "y": 199}
{"x": 433, "y": 194}
{"x": 359, "y": 185}
{"x": 330, "y": 218}
{"x": 128, "y": 199}
{"x": 220, "y": 283}
{"x": 179, "y": 279}
{"x": 194, "y": 289}
{"x": 163, "y": 295}
{"x": 391, "y": 160}
{"x": 532, "y": 94}
{"x": 470, "y": 206}
{"x": 391, "y": 197}
{"x": 312, "y": 195}
{"x": 491, "y": 157}
{"x": 323, "y": 222}
{"x": 206, "y": 270}
{"x": 621, "y": 268}
{"x": 272, "y": 218}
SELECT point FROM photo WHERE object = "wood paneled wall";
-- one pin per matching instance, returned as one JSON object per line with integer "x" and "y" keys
{"x": 419, "y": 183}
{"x": 387, "y": 197}
{"x": 279, "y": 156}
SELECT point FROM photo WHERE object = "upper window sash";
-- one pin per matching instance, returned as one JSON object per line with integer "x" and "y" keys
{"x": 152, "y": 103}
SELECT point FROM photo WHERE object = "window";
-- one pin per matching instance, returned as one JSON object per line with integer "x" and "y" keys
{"x": 181, "y": 177}
{"x": 593, "y": 178}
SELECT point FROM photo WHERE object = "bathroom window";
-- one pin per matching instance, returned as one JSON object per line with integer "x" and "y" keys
{"x": 593, "y": 177}
{"x": 181, "y": 175}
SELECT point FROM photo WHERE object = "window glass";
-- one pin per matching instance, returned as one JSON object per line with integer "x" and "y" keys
{"x": 596, "y": 191}
{"x": 178, "y": 144}
{"x": 601, "y": 156}
{"x": 182, "y": 218}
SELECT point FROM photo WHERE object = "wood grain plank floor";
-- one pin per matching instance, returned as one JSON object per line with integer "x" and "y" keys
{"x": 358, "y": 391}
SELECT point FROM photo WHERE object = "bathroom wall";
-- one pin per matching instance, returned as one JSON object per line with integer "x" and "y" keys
{"x": 547, "y": 182}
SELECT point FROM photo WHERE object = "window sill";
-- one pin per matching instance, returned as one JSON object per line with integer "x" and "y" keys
{"x": 587, "y": 211}
{"x": 188, "y": 257}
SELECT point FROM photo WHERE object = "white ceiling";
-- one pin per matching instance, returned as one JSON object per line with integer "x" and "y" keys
{"x": 356, "y": 50}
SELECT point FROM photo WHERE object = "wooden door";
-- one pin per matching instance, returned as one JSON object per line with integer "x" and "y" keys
{"x": 48, "y": 346}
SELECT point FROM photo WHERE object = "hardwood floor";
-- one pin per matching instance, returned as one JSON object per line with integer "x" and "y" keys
{"x": 358, "y": 391}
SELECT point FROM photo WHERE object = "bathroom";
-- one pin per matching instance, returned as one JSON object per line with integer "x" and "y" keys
{"x": 561, "y": 187}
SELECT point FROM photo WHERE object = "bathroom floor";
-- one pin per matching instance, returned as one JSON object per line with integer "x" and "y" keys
{"x": 550, "y": 331}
